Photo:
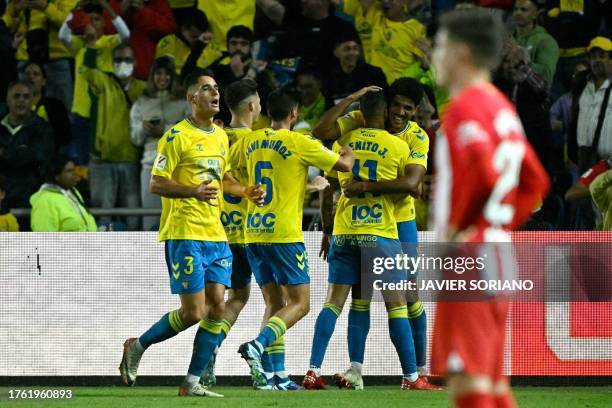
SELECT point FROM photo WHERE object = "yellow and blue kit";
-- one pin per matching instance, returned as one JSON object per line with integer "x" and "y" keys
{"x": 233, "y": 216}
{"x": 196, "y": 245}
{"x": 367, "y": 220}
{"x": 279, "y": 161}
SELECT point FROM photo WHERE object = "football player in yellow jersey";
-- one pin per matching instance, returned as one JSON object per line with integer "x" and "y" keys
{"x": 190, "y": 170}
{"x": 242, "y": 99}
{"x": 365, "y": 225}
{"x": 279, "y": 159}
{"x": 403, "y": 97}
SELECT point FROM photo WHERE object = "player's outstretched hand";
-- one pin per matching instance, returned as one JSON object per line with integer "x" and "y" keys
{"x": 256, "y": 194}
{"x": 372, "y": 88}
{"x": 207, "y": 192}
{"x": 324, "y": 252}
{"x": 318, "y": 183}
{"x": 353, "y": 188}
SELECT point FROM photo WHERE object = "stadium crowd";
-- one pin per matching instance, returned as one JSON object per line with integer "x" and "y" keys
{"x": 89, "y": 87}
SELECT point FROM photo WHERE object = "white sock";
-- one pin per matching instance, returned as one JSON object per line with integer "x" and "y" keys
{"x": 191, "y": 379}
{"x": 357, "y": 366}
{"x": 422, "y": 370}
{"x": 281, "y": 374}
{"x": 317, "y": 370}
{"x": 412, "y": 377}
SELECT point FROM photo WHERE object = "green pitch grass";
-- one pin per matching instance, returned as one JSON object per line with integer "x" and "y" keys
{"x": 372, "y": 397}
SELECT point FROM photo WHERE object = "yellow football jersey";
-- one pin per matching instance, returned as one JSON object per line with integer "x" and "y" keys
{"x": 223, "y": 15}
{"x": 189, "y": 155}
{"x": 178, "y": 50}
{"x": 386, "y": 44}
{"x": 378, "y": 156}
{"x": 234, "y": 209}
{"x": 279, "y": 160}
{"x": 418, "y": 143}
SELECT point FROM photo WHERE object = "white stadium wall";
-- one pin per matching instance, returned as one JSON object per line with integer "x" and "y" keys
{"x": 68, "y": 301}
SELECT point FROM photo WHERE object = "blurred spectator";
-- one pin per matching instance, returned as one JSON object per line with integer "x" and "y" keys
{"x": 8, "y": 222}
{"x": 311, "y": 32}
{"x": 312, "y": 102}
{"x": 223, "y": 15}
{"x": 238, "y": 64}
{"x": 26, "y": 143}
{"x": 9, "y": 64}
{"x": 422, "y": 69}
{"x": 350, "y": 73}
{"x": 530, "y": 94}
{"x": 113, "y": 168}
{"x": 50, "y": 109}
{"x": 35, "y": 23}
{"x": 543, "y": 49}
{"x": 58, "y": 206}
{"x": 580, "y": 190}
{"x": 601, "y": 191}
{"x": 156, "y": 111}
{"x": 563, "y": 112}
{"x": 89, "y": 22}
{"x": 594, "y": 130}
{"x": 578, "y": 196}
{"x": 573, "y": 24}
{"x": 149, "y": 21}
{"x": 388, "y": 33}
{"x": 191, "y": 41}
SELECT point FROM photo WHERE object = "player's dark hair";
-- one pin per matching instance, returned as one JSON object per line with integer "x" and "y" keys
{"x": 195, "y": 18}
{"x": 480, "y": 30}
{"x": 373, "y": 105}
{"x": 54, "y": 167}
{"x": 408, "y": 87}
{"x": 238, "y": 91}
{"x": 240, "y": 31}
{"x": 2, "y": 183}
{"x": 191, "y": 81}
{"x": 280, "y": 103}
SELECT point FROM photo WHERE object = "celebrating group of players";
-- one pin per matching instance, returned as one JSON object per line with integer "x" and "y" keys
{"x": 232, "y": 206}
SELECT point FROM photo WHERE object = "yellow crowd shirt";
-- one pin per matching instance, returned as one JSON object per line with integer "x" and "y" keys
{"x": 418, "y": 143}
{"x": 175, "y": 48}
{"x": 379, "y": 156}
{"x": 223, "y": 15}
{"x": 387, "y": 44}
{"x": 81, "y": 102}
{"x": 279, "y": 160}
{"x": 234, "y": 209}
{"x": 189, "y": 156}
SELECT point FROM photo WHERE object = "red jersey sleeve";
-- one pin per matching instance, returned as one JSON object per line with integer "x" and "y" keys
{"x": 600, "y": 167}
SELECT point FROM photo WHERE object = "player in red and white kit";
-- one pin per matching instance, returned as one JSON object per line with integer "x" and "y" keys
{"x": 488, "y": 182}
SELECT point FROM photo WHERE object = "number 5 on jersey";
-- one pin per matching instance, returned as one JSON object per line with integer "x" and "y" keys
{"x": 266, "y": 181}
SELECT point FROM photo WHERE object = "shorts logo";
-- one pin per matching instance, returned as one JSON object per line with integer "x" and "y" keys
{"x": 161, "y": 161}
{"x": 302, "y": 259}
{"x": 339, "y": 240}
{"x": 175, "y": 272}
{"x": 185, "y": 285}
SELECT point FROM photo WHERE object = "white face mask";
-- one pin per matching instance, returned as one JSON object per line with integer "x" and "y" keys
{"x": 123, "y": 70}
